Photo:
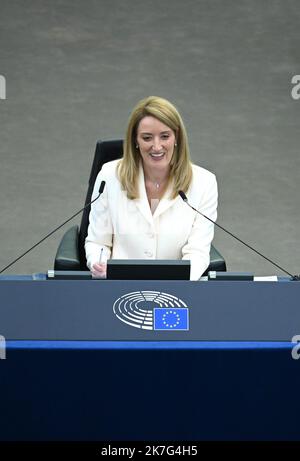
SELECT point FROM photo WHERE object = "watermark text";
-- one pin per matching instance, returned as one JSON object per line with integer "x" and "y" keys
{"x": 2, "y": 348}
{"x": 295, "y": 93}
{"x": 2, "y": 87}
{"x": 296, "y": 348}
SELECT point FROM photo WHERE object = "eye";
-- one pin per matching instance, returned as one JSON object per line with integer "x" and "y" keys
{"x": 146, "y": 138}
{"x": 165, "y": 136}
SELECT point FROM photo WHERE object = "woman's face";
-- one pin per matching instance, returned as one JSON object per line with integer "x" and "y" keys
{"x": 156, "y": 143}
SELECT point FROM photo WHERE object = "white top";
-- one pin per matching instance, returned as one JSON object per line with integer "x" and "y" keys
{"x": 126, "y": 229}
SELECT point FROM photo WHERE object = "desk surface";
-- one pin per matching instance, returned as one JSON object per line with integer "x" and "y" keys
{"x": 97, "y": 311}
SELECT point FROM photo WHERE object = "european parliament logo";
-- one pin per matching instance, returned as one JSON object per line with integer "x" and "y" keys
{"x": 152, "y": 310}
{"x": 171, "y": 319}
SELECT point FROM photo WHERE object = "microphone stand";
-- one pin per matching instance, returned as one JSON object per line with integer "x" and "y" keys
{"x": 101, "y": 189}
{"x": 184, "y": 198}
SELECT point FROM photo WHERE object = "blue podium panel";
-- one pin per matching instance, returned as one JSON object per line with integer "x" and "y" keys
{"x": 85, "y": 362}
{"x": 149, "y": 310}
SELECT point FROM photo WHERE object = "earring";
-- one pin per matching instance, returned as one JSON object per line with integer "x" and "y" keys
{"x": 137, "y": 146}
{"x": 175, "y": 144}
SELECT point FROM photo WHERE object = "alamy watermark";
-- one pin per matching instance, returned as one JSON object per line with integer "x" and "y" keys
{"x": 295, "y": 93}
{"x": 2, "y": 347}
{"x": 296, "y": 348}
{"x": 2, "y": 87}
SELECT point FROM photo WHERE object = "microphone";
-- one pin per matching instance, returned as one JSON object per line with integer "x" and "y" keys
{"x": 101, "y": 189}
{"x": 184, "y": 198}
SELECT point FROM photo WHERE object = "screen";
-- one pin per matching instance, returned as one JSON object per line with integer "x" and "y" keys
{"x": 145, "y": 269}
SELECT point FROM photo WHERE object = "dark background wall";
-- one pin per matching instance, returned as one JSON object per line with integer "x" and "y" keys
{"x": 75, "y": 69}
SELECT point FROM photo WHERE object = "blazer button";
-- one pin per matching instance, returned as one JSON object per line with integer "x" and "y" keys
{"x": 148, "y": 253}
{"x": 151, "y": 235}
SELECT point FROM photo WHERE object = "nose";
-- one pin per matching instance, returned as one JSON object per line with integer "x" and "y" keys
{"x": 156, "y": 144}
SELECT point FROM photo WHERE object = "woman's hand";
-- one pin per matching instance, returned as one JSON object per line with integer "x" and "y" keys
{"x": 99, "y": 271}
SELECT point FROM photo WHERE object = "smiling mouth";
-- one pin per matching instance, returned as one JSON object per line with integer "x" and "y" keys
{"x": 157, "y": 156}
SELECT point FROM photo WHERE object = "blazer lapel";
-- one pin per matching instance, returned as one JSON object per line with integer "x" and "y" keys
{"x": 166, "y": 202}
{"x": 142, "y": 201}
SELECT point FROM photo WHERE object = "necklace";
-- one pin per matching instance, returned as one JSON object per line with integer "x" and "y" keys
{"x": 157, "y": 185}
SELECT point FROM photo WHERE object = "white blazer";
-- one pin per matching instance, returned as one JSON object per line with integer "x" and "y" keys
{"x": 126, "y": 229}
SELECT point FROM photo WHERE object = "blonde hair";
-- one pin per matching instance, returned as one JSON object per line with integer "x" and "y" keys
{"x": 181, "y": 167}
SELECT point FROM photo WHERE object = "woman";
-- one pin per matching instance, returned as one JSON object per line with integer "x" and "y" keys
{"x": 140, "y": 214}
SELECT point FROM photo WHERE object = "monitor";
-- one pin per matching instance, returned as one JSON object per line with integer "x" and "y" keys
{"x": 148, "y": 269}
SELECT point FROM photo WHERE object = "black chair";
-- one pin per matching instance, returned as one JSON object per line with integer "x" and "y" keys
{"x": 71, "y": 254}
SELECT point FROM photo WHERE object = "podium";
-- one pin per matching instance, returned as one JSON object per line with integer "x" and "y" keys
{"x": 86, "y": 361}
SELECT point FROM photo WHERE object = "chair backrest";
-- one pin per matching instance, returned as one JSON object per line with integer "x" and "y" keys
{"x": 106, "y": 151}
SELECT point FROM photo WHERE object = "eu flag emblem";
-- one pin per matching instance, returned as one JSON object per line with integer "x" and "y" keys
{"x": 171, "y": 318}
